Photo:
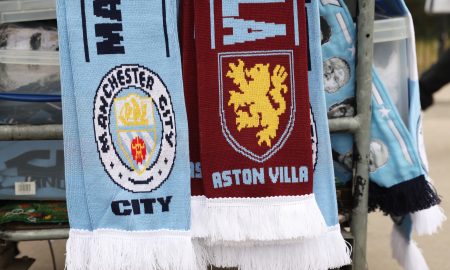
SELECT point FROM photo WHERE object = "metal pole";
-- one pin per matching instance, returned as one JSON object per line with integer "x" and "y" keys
{"x": 33, "y": 235}
{"x": 29, "y": 132}
{"x": 362, "y": 135}
{"x": 347, "y": 124}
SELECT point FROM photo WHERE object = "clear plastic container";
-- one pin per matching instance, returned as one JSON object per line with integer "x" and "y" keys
{"x": 390, "y": 59}
{"x": 29, "y": 64}
{"x": 437, "y": 6}
{"x": 27, "y": 10}
{"x": 29, "y": 73}
{"x": 391, "y": 29}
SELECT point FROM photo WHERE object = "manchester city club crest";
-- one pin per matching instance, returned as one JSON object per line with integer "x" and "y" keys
{"x": 257, "y": 101}
{"x": 134, "y": 126}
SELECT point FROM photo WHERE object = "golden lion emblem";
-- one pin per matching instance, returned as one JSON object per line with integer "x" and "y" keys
{"x": 252, "y": 103}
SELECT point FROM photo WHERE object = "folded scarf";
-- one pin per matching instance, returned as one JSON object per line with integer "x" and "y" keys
{"x": 398, "y": 181}
{"x": 403, "y": 53}
{"x": 324, "y": 179}
{"x": 80, "y": 234}
{"x": 190, "y": 89}
{"x": 126, "y": 89}
{"x": 189, "y": 63}
{"x": 255, "y": 121}
{"x": 249, "y": 220}
{"x": 398, "y": 166}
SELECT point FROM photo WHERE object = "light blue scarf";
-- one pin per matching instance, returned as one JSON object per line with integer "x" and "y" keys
{"x": 324, "y": 186}
{"x": 398, "y": 170}
{"x": 80, "y": 223}
{"x": 427, "y": 221}
{"x": 128, "y": 173}
{"x": 398, "y": 180}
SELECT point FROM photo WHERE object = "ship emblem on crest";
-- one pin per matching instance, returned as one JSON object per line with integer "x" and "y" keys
{"x": 136, "y": 130}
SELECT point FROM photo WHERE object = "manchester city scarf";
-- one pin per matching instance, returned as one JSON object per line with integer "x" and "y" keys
{"x": 402, "y": 93}
{"x": 324, "y": 180}
{"x": 255, "y": 136}
{"x": 398, "y": 166}
{"x": 338, "y": 48}
{"x": 80, "y": 234}
{"x": 127, "y": 91}
{"x": 428, "y": 221}
{"x": 398, "y": 182}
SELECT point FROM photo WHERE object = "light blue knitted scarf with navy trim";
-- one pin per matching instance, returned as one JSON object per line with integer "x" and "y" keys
{"x": 399, "y": 182}
{"x": 125, "y": 136}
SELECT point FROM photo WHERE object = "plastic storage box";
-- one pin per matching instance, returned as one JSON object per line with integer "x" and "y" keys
{"x": 390, "y": 58}
{"x": 390, "y": 29}
{"x": 29, "y": 67}
{"x": 29, "y": 64}
{"x": 29, "y": 72}
{"x": 26, "y": 10}
{"x": 32, "y": 170}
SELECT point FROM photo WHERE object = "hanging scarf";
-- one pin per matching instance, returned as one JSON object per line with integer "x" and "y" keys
{"x": 324, "y": 179}
{"x": 394, "y": 151}
{"x": 126, "y": 90}
{"x": 241, "y": 231}
{"x": 398, "y": 167}
{"x": 80, "y": 234}
{"x": 254, "y": 129}
{"x": 428, "y": 221}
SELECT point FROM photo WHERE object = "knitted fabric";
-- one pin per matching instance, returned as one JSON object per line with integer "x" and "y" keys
{"x": 128, "y": 105}
{"x": 398, "y": 180}
{"x": 80, "y": 233}
{"x": 254, "y": 215}
{"x": 398, "y": 166}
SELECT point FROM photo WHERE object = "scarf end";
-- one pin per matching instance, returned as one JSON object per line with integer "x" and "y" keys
{"x": 428, "y": 221}
{"x": 77, "y": 249}
{"x": 109, "y": 249}
{"x": 266, "y": 219}
{"x": 406, "y": 252}
{"x": 403, "y": 198}
{"x": 327, "y": 251}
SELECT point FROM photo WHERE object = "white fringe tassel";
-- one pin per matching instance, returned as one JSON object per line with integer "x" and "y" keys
{"x": 77, "y": 250}
{"x": 198, "y": 217}
{"x": 125, "y": 250}
{"x": 407, "y": 254}
{"x": 257, "y": 219}
{"x": 428, "y": 221}
{"x": 323, "y": 252}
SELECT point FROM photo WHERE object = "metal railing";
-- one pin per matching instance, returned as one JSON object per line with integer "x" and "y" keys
{"x": 358, "y": 125}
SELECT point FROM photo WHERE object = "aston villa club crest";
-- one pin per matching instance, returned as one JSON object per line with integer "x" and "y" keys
{"x": 134, "y": 126}
{"x": 257, "y": 101}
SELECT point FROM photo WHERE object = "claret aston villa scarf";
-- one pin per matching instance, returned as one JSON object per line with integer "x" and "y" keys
{"x": 190, "y": 89}
{"x": 255, "y": 134}
{"x": 129, "y": 178}
{"x": 189, "y": 64}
